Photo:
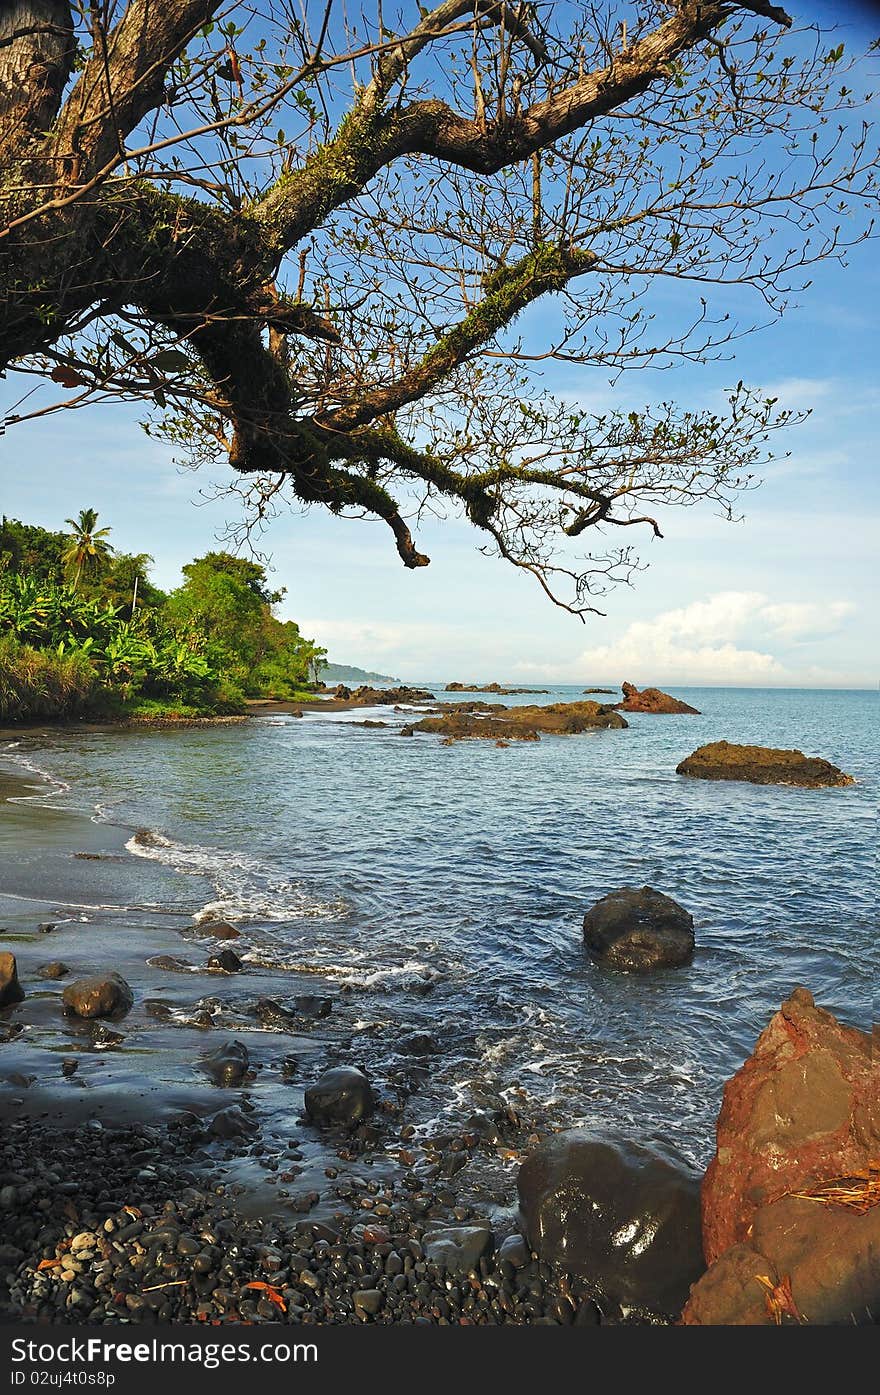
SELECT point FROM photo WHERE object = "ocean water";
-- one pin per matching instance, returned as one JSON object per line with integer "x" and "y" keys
{"x": 442, "y": 888}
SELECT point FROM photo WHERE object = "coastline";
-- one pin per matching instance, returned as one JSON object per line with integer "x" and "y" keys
{"x": 258, "y": 1167}
{"x": 198, "y": 1159}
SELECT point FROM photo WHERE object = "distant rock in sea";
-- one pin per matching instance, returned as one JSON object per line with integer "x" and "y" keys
{"x": 500, "y": 723}
{"x": 654, "y": 701}
{"x": 761, "y": 765}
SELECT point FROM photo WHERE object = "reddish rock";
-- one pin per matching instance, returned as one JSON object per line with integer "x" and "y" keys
{"x": 804, "y": 1109}
{"x": 652, "y": 700}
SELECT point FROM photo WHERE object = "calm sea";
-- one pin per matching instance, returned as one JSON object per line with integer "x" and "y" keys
{"x": 445, "y": 887}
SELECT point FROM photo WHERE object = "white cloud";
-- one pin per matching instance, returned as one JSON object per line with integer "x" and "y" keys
{"x": 800, "y": 620}
{"x": 727, "y": 638}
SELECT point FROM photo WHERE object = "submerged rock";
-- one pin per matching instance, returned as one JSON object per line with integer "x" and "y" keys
{"x": 638, "y": 929}
{"x": 216, "y": 930}
{"x": 652, "y": 700}
{"x": 227, "y": 1065}
{"x": 761, "y": 765}
{"x": 342, "y": 1095}
{"x": 311, "y": 1005}
{"x": 616, "y": 1213}
{"x": 519, "y": 723}
{"x": 419, "y": 1044}
{"x": 103, "y": 995}
{"x": 11, "y": 990}
{"x": 805, "y": 1108}
{"x": 55, "y": 969}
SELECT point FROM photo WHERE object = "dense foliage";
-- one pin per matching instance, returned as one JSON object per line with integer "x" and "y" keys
{"x": 82, "y": 629}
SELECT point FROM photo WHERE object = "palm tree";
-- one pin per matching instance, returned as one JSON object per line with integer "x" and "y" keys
{"x": 88, "y": 546}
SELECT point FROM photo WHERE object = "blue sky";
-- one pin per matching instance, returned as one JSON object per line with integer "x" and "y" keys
{"x": 782, "y": 598}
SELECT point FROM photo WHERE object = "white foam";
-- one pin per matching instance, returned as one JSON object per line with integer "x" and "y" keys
{"x": 55, "y": 783}
{"x": 246, "y": 890}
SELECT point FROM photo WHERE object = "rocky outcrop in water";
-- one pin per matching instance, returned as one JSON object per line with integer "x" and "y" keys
{"x": 790, "y": 1228}
{"x": 636, "y": 929}
{"x": 519, "y": 723}
{"x": 225, "y": 962}
{"x": 11, "y": 990}
{"x": 103, "y": 995}
{"x": 761, "y": 765}
{"x": 654, "y": 701}
{"x": 490, "y": 688}
{"x": 342, "y": 1095}
{"x": 618, "y": 1213}
{"x": 382, "y": 697}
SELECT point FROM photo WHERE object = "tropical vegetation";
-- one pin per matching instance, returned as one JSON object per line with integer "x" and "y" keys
{"x": 84, "y": 632}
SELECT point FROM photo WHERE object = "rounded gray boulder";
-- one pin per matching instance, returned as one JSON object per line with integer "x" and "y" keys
{"x": 342, "y": 1095}
{"x": 636, "y": 929}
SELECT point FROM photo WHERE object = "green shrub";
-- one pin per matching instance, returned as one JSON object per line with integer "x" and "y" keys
{"x": 38, "y": 684}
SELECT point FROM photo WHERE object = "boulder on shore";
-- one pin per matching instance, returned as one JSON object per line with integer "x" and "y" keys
{"x": 791, "y": 1228}
{"x": 761, "y": 765}
{"x": 102, "y": 995}
{"x": 636, "y": 929}
{"x": 616, "y": 1213}
{"x": 804, "y": 1263}
{"x": 502, "y": 723}
{"x": 458, "y": 1248}
{"x": 11, "y": 990}
{"x": 803, "y": 1109}
{"x": 342, "y": 1095}
{"x": 652, "y": 700}
{"x": 227, "y": 1065}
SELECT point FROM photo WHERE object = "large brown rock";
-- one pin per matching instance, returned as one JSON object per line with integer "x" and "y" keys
{"x": 104, "y": 995}
{"x": 616, "y": 1213}
{"x": 11, "y": 990}
{"x": 654, "y": 701}
{"x": 805, "y": 1108}
{"x": 635, "y": 929}
{"x": 760, "y": 765}
{"x": 826, "y": 1256}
